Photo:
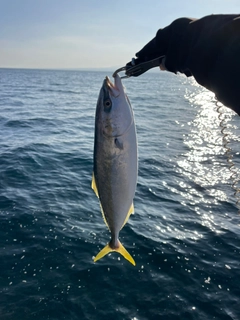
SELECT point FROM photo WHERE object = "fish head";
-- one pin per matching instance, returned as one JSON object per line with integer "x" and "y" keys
{"x": 114, "y": 112}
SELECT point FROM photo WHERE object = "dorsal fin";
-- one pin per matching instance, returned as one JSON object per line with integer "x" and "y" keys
{"x": 104, "y": 218}
{"x": 94, "y": 187}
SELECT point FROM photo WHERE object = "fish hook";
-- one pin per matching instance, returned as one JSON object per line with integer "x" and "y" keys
{"x": 135, "y": 69}
{"x": 119, "y": 70}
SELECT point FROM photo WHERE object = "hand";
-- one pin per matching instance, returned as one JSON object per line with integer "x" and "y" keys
{"x": 206, "y": 48}
{"x": 162, "y": 45}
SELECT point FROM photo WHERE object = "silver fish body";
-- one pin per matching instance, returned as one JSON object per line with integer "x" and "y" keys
{"x": 115, "y": 161}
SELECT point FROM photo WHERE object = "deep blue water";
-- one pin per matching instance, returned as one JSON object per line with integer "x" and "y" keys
{"x": 184, "y": 235}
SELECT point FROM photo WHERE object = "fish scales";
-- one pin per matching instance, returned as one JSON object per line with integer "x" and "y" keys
{"x": 115, "y": 161}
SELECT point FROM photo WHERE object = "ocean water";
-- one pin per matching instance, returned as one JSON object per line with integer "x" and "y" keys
{"x": 184, "y": 235}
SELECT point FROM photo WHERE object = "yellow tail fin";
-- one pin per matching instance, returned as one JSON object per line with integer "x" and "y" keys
{"x": 120, "y": 249}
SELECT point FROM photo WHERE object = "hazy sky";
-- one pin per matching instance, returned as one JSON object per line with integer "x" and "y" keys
{"x": 88, "y": 33}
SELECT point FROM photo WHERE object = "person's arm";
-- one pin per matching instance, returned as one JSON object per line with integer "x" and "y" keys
{"x": 206, "y": 48}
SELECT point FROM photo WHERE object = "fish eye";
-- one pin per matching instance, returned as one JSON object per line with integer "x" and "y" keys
{"x": 107, "y": 103}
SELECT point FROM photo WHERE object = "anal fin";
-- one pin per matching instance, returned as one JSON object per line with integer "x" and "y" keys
{"x": 94, "y": 186}
{"x": 130, "y": 211}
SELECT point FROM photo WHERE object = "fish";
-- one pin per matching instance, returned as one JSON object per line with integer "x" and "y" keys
{"x": 115, "y": 161}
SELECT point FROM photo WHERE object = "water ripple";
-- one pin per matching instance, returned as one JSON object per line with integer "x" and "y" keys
{"x": 184, "y": 234}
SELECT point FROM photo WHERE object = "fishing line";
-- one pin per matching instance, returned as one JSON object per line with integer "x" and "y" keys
{"x": 228, "y": 153}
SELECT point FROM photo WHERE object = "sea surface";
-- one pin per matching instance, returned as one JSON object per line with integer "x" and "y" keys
{"x": 184, "y": 235}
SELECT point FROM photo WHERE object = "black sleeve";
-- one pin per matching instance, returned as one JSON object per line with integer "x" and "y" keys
{"x": 214, "y": 56}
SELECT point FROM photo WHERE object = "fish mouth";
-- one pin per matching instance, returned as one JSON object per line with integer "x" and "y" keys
{"x": 113, "y": 90}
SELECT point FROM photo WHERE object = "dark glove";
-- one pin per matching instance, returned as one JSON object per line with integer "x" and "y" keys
{"x": 149, "y": 57}
{"x": 149, "y": 52}
{"x": 161, "y": 47}
{"x": 206, "y": 48}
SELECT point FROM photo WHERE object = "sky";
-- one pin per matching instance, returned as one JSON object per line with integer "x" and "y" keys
{"x": 89, "y": 33}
